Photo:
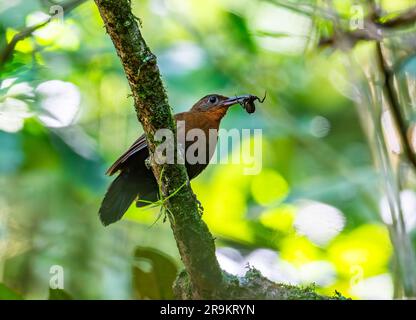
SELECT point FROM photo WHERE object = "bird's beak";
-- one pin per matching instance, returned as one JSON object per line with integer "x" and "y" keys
{"x": 234, "y": 100}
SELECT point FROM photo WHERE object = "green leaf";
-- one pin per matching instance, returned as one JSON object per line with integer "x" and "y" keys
{"x": 153, "y": 274}
{"x": 262, "y": 33}
{"x": 59, "y": 294}
{"x": 8, "y": 294}
{"x": 240, "y": 32}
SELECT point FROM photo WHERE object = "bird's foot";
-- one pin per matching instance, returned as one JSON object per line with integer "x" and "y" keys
{"x": 200, "y": 207}
{"x": 148, "y": 162}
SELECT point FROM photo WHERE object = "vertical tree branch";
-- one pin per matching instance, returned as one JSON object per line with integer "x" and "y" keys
{"x": 393, "y": 102}
{"x": 195, "y": 242}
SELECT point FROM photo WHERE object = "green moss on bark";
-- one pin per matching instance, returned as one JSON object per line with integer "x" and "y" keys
{"x": 252, "y": 286}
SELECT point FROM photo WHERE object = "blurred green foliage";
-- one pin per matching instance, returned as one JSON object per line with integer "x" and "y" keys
{"x": 155, "y": 282}
{"x": 8, "y": 294}
{"x": 52, "y": 159}
{"x": 58, "y": 294}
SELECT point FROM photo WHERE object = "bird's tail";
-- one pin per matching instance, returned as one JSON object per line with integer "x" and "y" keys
{"x": 118, "y": 199}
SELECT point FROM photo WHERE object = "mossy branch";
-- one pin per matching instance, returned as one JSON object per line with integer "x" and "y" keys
{"x": 203, "y": 278}
{"x": 253, "y": 286}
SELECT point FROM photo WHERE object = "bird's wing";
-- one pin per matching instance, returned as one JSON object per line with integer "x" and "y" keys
{"x": 138, "y": 145}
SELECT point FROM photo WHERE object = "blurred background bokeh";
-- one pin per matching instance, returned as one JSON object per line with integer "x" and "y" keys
{"x": 317, "y": 213}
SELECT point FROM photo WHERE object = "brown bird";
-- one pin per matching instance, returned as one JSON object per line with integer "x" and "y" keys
{"x": 137, "y": 182}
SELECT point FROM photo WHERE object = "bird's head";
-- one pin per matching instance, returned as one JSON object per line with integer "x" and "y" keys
{"x": 215, "y": 102}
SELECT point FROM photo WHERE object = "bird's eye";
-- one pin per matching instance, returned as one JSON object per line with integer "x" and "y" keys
{"x": 213, "y": 99}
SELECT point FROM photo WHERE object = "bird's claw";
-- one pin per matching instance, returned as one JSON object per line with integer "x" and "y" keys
{"x": 148, "y": 162}
{"x": 200, "y": 207}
